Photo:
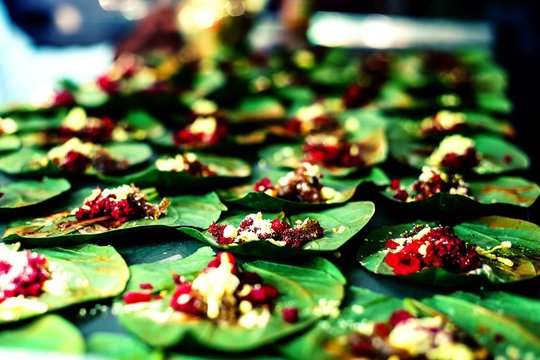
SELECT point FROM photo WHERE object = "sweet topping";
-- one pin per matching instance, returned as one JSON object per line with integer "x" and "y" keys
{"x": 78, "y": 156}
{"x": 424, "y": 247}
{"x": 432, "y": 181}
{"x": 330, "y": 151}
{"x": 225, "y": 294}
{"x": 303, "y": 185}
{"x": 455, "y": 153}
{"x": 187, "y": 162}
{"x": 310, "y": 120}
{"x": 404, "y": 336}
{"x": 254, "y": 228}
{"x": 93, "y": 129}
{"x": 206, "y": 126}
{"x": 120, "y": 204}
{"x": 443, "y": 122}
{"x": 22, "y": 273}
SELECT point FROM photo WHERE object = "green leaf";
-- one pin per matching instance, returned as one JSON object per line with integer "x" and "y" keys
{"x": 363, "y": 306}
{"x": 34, "y": 122}
{"x": 520, "y": 308}
{"x": 197, "y": 211}
{"x": 9, "y": 143}
{"x": 497, "y": 155}
{"x": 25, "y": 193}
{"x": 90, "y": 96}
{"x": 106, "y": 345}
{"x": 141, "y": 125}
{"x": 47, "y": 335}
{"x": 485, "y": 232}
{"x": 244, "y": 195}
{"x": 228, "y": 170}
{"x": 494, "y": 101}
{"x": 302, "y": 285}
{"x": 486, "y": 195}
{"x": 63, "y": 228}
{"x": 259, "y": 108}
{"x": 82, "y": 273}
{"x": 340, "y": 224}
{"x": 489, "y": 327}
{"x": 27, "y": 161}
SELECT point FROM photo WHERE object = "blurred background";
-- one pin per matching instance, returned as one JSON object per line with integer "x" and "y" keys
{"x": 44, "y": 40}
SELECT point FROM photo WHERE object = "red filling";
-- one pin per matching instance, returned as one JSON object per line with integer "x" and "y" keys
{"x": 75, "y": 161}
{"x": 369, "y": 346}
{"x": 197, "y": 168}
{"x": 293, "y": 237}
{"x": 441, "y": 247}
{"x": 424, "y": 189}
{"x": 185, "y": 136}
{"x": 64, "y": 98}
{"x": 290, "y": 315}
{"x": 460, "y": 163}
{"x": 300, "y": 187}
{"x": 30, "y": 281}
{"x": 320, "y": 124}
{"x": 97, "y": 131}
{"x": 133, "y": 207}
{"x": 106, "y": 84}
{"x": 338, "y": 155}
{"x": 435, "y": 127}
{"x": 192, "y": 303}
{"x": 357, "y": 96}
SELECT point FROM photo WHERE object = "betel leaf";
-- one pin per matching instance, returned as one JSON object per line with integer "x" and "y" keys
{"x": 177, "y": 356}
{"x": 62, "y": 228}
{"x": 373, "y": 150}
{"x": 494, "y": 101}
{"x": 141, "y": 125}
{"x": 48, "y": 334}
{"x": 246, "y": 196}
{"x": 27, "y": 161}
{"x": 340, "y": 224}
{"x": 403, "y": 128}
{"x": 113, "y": 346}
{"x": 37, "y": 122}
{"x": 257, "y": 109}
{"x": 501, "y": 334}
{"x": 79, "y": 274}
{"x": 363, "y": 306}
{"x": 197, "y": 211}
{"x": 485, "y": 194}
{"x": 24, "y": 193}
{"x": 231, "y": 143}
{"x": 497, "y": 155}
{"x": 304, "y": 285}
{"x": 486, "y": 232}
{"x": 227, "y": 168}
{"x": 9, "y": 143}
{"x": 523, "y": 309}
{"x": 494, "y": 331}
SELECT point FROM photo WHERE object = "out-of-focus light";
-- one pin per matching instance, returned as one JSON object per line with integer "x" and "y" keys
{"x": 235, "y": 8}
{"x": 378, "y": 32}
{"x": 67, "y": 18}
{"x": 255, "y": 6}
{"x": 134, "y": 9}
{"x": 110, "y": 5}
{"x": 197, "y": 15}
